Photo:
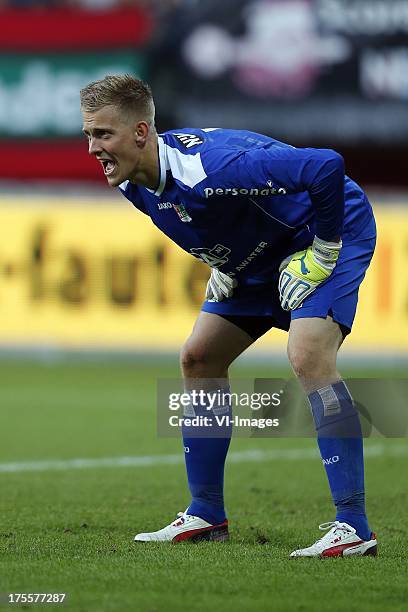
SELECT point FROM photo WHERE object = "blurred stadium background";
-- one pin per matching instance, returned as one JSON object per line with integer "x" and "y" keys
{"x": 79, "y": 268}
{"x": 86, "y": 281}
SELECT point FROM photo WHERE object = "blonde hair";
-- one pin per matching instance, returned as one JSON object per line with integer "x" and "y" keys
{"x": 129, "y": 94}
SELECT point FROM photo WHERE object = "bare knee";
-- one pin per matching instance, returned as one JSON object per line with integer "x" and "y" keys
{"x": 313, "y": 361}
{"x": 312, "y": 351}
{"x": 213, "y": 345}
{"x": 196, "y": 361}
{"x": 302, "y": 360}
{"x": 192, "y": 359}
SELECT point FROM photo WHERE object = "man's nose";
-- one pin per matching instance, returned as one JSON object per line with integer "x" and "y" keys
{"x": 94, "y": 146}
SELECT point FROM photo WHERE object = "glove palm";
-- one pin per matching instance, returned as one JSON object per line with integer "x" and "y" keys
{"x": 305, "y": 270}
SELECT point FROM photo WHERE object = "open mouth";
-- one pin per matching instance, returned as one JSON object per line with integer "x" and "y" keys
{"x": 108, "y": 165}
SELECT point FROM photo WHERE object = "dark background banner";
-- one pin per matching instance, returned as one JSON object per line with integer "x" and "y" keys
{"x": 323, "y": 70}
{"x": 330, "y": 73}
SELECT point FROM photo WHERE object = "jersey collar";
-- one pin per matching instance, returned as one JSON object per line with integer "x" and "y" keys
{"x": 162, "y": 168}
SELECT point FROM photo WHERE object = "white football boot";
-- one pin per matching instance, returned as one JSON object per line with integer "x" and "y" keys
{"x": 187, "y": 527}
{"x": 340, "y": 541}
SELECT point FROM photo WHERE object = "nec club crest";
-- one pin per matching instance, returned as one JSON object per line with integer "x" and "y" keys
{"x": 182, "y": 213}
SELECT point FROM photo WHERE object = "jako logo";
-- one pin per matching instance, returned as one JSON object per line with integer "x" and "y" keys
{"x": 164, "y": 205}
{"x": 331, "y": 460}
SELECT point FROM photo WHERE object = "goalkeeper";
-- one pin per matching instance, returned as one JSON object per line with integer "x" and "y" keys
{"x": 288, "y": 238}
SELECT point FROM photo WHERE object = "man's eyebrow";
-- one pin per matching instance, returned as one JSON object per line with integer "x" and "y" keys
{"x": 96, "y": 130}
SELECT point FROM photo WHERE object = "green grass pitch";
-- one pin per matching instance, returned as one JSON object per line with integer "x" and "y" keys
{"x": 71, "y": 530}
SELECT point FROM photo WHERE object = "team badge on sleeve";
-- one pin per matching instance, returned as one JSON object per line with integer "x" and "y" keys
{"x": 182, "y": 213}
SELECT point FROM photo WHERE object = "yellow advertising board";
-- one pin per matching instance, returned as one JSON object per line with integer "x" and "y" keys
{"x": 80, "y": 273}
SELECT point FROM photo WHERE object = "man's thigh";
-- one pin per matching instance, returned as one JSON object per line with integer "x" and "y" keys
{"x": 312, "y": 350}
{"x": 214, "y": 342}
{"x": 316, "y": 335}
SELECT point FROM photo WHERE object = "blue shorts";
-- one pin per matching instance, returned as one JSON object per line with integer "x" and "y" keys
{"x": 337, "y": 297}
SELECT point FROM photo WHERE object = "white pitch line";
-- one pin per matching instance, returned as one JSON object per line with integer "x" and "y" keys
{"x": 248, "y": 456}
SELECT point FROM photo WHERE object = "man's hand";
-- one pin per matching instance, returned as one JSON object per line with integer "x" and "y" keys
{"x": 219, "y": 286}
{"x": 304, "y": 271}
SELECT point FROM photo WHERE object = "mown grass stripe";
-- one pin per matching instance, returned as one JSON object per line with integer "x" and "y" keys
{"x": 290, "y": 454}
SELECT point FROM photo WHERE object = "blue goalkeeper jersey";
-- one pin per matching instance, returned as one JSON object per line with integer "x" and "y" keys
{"x": 242, "y": 202}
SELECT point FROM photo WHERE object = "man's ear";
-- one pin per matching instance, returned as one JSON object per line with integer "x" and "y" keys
{"x": 141, "y": 132}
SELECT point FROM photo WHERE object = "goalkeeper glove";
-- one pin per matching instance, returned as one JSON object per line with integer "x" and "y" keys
{"x": 302, "y": 272}
{"x": 219, "y": 286}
